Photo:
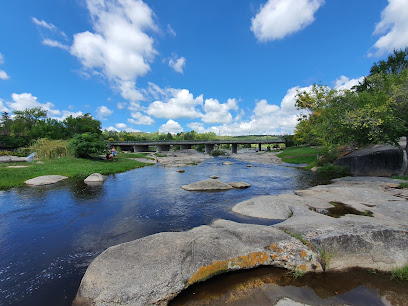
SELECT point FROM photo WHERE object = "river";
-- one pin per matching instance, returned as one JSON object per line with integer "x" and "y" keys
{"x": 50, "y": 234}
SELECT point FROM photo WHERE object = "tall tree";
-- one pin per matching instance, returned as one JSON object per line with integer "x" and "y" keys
{"x": 82, "y": 124}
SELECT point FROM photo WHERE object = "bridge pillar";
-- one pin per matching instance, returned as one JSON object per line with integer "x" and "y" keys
{"x": 259, "y": 147}
{"x": 209, "y": 147}
{"x": 185, "y": 147}
{"x": 140, "y": 148}
{"x": 234, "y": 148}
{"x": 162, "y": 148}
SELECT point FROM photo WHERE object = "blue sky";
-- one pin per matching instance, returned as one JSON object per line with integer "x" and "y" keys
{"x": 227, "y": 66}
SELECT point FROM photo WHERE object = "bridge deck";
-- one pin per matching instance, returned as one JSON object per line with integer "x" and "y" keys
{"x": 192, "y": 142}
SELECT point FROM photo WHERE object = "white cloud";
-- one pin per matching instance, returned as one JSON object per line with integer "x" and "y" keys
{"x": 393, "y": 26}
{"x": 121, "y": 125}
{"x": 4, "y": 75}
{"x": 112, "y": 129}
{"x": 121, "y": 105}
{"x": 197, "y": 126}
{"x": 27, "y": 100}
{"x": 344, "y": 83}
{"x": 216, "y": 112}
{"x": 279, "y": 18}
{"x": 103, "y": 111}
{"x": 118, "y": 48}
{"x": 139, "y": 118}
{"x": 3, "y": 108}
{"x": 178, "y": 64}
{"x": 44, "y": 24}
{"x": 263, "y": 108}
{"x": 170, "y": 30}
{"x": 182, "y": 104}
{"x": 130, "y": 130}
{"x": 171, "y": 126}
{"x": 55, "y": 44}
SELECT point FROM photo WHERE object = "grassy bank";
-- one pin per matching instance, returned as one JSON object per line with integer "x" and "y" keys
{"x": 299, "y": 155}
{"x": 67, "y": 166}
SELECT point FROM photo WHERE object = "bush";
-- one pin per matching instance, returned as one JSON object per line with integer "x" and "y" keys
{"x": 23, "y": 152}
{"x": 87, "y": 145}
{"x": 48, "y": 149}
{"x": 200, "y": 148}
{"x": 333, "y": 169}
{"x": 217, "y": 152}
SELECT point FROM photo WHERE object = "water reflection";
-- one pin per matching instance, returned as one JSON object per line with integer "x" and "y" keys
{"x": 50, "y": 234}
{"x": 267, "y": 285}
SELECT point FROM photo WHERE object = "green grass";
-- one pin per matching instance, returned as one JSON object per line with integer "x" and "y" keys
{"x": 299, "y": 155}
{"x": 400, "y": 274}
{"x": 296, "y": 273}
{"x": 67, "y": 166}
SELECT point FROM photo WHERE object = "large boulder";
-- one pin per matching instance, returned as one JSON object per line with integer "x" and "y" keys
{"x": 207, "y": 185}
{"x": 45, "y": 180}
{"x": 376, "y": 160}
{"x": 154, "y": 269}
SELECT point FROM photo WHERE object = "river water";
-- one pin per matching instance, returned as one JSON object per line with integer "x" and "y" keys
{"x": 50, "y": 234}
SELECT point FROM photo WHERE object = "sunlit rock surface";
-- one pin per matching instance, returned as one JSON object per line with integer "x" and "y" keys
{"x": 45, "y": 180}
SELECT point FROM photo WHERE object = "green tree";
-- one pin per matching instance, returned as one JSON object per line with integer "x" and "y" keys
{"x": 24, "y": 121}
{"x": 87, "y": 145}
{"x": 5, "y": 123}
{"x": 82, "y": 124}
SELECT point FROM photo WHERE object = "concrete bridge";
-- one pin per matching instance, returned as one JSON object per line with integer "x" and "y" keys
{"x": 143, "y": 146}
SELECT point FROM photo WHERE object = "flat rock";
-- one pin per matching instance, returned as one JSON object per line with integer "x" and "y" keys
{"x": 181, "y": 171}
{"x": 40, "y": 163}
{"x": 207, "y": 185}
{"x": 144, "y": 160}
{"x": 16, "y": 166}
{"x": 227, "y": 163}
{"x": 12, "y": 159}
{"x": 239, "y": 185}
{"x": 95, "y": 178}
{"x": 45, "y": 180}
{"x": 214, "y": 177}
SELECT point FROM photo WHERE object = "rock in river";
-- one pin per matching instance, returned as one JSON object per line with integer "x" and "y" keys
{"x": 45, "y": 180}
{"x": 95, "y": 178}
{"x": 207, "y": 185}
{"x": 239, "y": 185}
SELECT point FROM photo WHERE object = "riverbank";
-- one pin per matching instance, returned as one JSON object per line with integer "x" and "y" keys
{"x": 371, "y": 235}
{"x": 68, "y": 166}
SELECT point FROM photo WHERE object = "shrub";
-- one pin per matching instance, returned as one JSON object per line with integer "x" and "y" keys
{"x": 200, "y": 148}
{"x": 333, "y": 169}
{"x": 5, "y": 153}
{"x": 87, "y": 145}
{"x": 48, "y": 149}
{"x": 400, "y": 273}
{"x": 217, "y": 152}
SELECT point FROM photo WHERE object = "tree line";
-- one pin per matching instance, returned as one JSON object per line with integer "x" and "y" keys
{"x": 374, "y": 111}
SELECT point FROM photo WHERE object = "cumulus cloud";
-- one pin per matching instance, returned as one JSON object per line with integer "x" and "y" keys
{"x": 215, "y": 112}
{"x": 178, "y": 64}
{"x": 119, "y": 47}
{"x": 27, "y": 100}
{"x": 393, "y": 27}
{"x": 182, "y": 104}
{"x": 4, "y": 75}
{"x": 139, "y": 118}
{"x": 263, "y": 108}
{"x": 171, "y": 126}
{"x": 112, "y": 129}
{"x": 103, "y": 111}
{"x": 279, "y": 18}
{"x": 197, "y": 126}
{"x": 344, "y": 83}
{"x": 3, "y": 108}
{"x": 121, "y": 125}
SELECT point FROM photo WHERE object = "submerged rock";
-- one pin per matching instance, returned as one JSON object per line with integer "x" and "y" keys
{"x": 181, "y": 171}
{"x": 227, "y": 163}
{"x": 214, "y": 177}
{"x": 45, "y": 180}
{"x": 207, "y": 185}
{"x": 239, "y": 185}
